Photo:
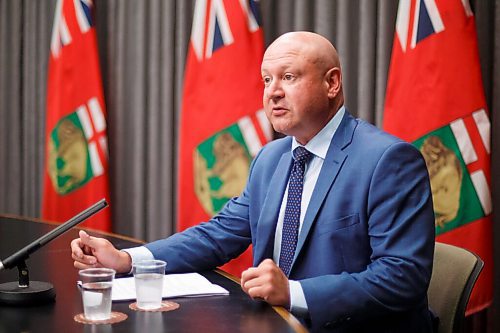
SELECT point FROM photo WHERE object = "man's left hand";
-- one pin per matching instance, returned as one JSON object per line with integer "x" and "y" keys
{"x": 268, "y": 282}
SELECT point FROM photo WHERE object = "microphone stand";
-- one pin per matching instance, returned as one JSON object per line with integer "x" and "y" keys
{"x": 26, "y": 292}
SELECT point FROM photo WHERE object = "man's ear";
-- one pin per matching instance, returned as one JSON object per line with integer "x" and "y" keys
{"x": 333, "y": 80}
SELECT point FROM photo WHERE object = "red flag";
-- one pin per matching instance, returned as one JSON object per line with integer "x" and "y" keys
{"x": 76, "y": 143}
{"x": 435, "y": 99}
{"x": 222, "y": 123}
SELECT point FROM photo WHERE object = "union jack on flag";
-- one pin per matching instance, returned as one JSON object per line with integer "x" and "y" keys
{"x": 61, "y": 35}
{"x": 218, "y": 33}
{"x": 426, "y": 20}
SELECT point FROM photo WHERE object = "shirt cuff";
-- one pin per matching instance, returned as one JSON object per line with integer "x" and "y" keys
{"x": 298, "y": 304}
{"x": 139, "y": 253}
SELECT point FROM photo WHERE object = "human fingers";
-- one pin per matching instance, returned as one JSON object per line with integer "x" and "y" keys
{"x": 267, "y": 263}
{"x": 270, "y": 284}
{"x": 84, "y": 259}
{"x": 265, "y": 267}
{"x": 76, "y": 248}
{"x": 101, "y": 248}
{"x": 82, "y": 265}
{"x": 247, "y": 276}
{"x": 259, "y": 292}
{"x": 83, "y": 234}
{"x": 82, "y": 253}
{"x": 258, "y": 287}
{"x": 275, "y": 292}
{"x": 89, "y": 242}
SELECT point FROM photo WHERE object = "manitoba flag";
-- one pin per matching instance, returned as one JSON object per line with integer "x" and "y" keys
{"x": 435, "y": 100}
{"x": 76, "y": 143}
{"x": 222, "y": 122}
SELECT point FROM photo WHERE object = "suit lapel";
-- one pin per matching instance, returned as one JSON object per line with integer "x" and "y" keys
{"x": 268, "y": 218}
{"x": 331, "y": 166}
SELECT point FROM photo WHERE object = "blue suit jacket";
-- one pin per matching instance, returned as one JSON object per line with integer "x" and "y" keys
{"x": 364, "y": 255}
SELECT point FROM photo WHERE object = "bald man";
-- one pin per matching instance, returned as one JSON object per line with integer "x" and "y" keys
{"x": 338, "y": 212}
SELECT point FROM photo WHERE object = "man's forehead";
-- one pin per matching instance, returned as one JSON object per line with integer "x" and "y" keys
{"x": 281, "y": 61}
{"x": 287, "y": 45}
{"x": 287, "y": 57}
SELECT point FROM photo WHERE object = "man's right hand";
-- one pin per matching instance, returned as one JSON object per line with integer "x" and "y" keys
{"x": 88, "y": 251}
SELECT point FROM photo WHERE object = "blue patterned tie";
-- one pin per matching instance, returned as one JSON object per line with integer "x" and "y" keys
{"x": 291, "y": 222}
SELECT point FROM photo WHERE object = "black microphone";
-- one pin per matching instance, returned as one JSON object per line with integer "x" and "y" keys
{"x": 25, "y": 252}
{"x": 26, "y": 292}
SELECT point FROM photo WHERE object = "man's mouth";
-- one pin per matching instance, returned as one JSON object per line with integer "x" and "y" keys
{"x": 278, "y": 110}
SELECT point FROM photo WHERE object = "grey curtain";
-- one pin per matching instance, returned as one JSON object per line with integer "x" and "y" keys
{"x": 142, "y": 47}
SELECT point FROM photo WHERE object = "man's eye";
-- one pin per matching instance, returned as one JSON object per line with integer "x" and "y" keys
{"x": 287, "y": 77}
{"x": 266, "y": 80}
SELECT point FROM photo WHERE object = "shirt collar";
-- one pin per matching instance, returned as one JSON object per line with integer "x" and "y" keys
{"x": 320, "y": 143}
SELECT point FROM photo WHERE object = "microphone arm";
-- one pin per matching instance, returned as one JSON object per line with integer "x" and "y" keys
{"x": 20, "y": 256}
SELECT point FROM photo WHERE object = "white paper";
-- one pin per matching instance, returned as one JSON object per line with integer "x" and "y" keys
{"x": 174, "y": 285}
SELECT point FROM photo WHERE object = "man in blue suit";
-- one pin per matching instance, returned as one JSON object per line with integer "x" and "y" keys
{"x": 359, "y": 256}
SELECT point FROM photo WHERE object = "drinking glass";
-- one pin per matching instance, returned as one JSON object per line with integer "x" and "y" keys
{"x": 97, "y": 284}
{"x": 148, "y": 276}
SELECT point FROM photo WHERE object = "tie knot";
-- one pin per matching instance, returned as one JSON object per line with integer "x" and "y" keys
{"x": 300, "y": 154}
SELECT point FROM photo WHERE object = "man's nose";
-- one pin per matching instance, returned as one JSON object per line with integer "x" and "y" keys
{"x": 275, "y": 90}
